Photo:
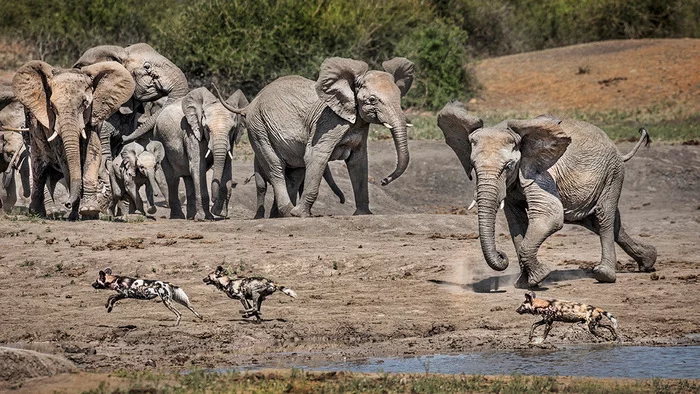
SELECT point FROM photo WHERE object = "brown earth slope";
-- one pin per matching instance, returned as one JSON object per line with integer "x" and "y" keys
{"x": 623, "y": 75}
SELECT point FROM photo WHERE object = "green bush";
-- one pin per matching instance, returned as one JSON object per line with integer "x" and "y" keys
{"x": 249, "y": 44}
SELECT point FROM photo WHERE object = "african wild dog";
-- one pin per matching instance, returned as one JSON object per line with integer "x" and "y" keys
{"x": 247, "y": 290}
{"x": 565, "y": 311}
{"x": 142, "y": 289}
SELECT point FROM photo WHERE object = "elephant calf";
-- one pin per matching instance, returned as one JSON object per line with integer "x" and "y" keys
{"x": 135, "y": 167}
{"x": 545, "y": 172}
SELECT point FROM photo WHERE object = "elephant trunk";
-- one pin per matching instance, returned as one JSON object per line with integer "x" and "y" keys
{"x": 151, "y": 175}
{"x": 399, "y": 132}
{"x": 71, "y": 145}
{"x": 487, "y": 197}
{"x": 24, "y": 174}
{"x": 220, "y": 149}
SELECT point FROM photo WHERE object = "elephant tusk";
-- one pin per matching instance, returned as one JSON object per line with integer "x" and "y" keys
{"x": 53, "y": 136}
{"x": 409, "y": 124}
{"x": 15, "y": 129}
{"x": 387, "y": 125}
{"x": 502, "y": 204}
{"x": 471, "y": 205}
{"x": 82, "y": 134}
{"x": 206, "y": 156}
{"x": 230, "y": 155}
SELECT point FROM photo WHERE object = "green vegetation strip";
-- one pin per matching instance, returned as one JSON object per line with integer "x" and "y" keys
{"x": 298, "y": 381}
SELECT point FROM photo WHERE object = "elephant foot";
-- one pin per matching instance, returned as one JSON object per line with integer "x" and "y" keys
{"x": 362, "y": 211}
{"x": 200, "y": 217}
{"x": 647, "y": 259}
{"x": 299, "y": 211}
{"x": 89, "y": 207}
{"x": 530, "y": 278}
{"x": 152, "y": 210}
{"x": 604, "y": 273}
{"x": 177, "y": 215}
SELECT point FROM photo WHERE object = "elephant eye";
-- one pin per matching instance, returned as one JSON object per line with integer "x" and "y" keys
{"x": 510, "y": 165}
{"x": 371, "y": 100}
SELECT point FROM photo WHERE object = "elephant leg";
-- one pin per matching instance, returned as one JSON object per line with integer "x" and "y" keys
{"x": 516, "y": 215}
{"x": 545, "y": 217}
{"x": 162, "y": 182}
{"x": 90, "y": 205}
{"x": 10, "y": 191}
{"x": 316, "y": 159}
{"x": 198, "y": 177}
{"x": 358, "y": 172}
{"x": 133, "y": 191}
{"x": 295, "y": 181}
{"x": 190, "y": 197}
{"x": 260, "y": 191}
{"x": 173, "y": 191}
{"x": 643, "y": 254}
{"x": 272, "y": 168}
{"x": 39, "y": 175}
{"x": 605, "y": 223}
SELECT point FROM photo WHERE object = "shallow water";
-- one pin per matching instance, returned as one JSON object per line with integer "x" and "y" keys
{"x": 681, "y": 362}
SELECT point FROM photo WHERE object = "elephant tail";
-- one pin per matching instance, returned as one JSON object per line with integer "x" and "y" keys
{"x": 237, "y": 111}
{"x": 644, "y": 139}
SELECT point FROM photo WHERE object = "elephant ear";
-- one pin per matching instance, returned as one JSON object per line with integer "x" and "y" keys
{"x": 238, "y": 100}
{"x": 402, "y": 70}
{"x": 31, "y": 87}
{"x": 112, "y": 86}
{"x": 6, "y": 98}
{"x": 156, "y": 147}
{"x": 101, "y": 53}
{"x": 543, "y": 142}
{"x": 336, "y": 85}
{"x": 129, "y": 154}
{"x": 193, "y": 105}
{"x": 456, "y": 124}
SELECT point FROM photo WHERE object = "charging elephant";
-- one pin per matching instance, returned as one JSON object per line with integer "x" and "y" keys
{"x": 545, "y": 172}
{"x": 198, "y": 133}
{"x": 66, "y": 109}
{"x": 14, "y": 155}
{"x": 295, "y": 122}
{"x": 135, "y": 167}
{"x": 154, "y": 74}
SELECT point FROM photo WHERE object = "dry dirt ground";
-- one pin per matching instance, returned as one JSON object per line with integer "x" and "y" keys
{"x": 410, "y": 279}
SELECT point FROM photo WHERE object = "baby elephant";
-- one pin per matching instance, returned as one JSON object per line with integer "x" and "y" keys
{"x": 246, "y": 290}
{"x": 133, "y": 168}
{"x": 142, "y": 289}
{"x": 565, "y": 311}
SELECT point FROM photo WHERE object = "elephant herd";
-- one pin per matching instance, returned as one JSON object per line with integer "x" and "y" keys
{"x": 124, "y": 118}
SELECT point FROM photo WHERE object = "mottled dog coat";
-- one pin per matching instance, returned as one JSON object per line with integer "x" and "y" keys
{"x": 565, "y": 311}
{"x": 142, "y": 289}
{"x": 248, "y": 290}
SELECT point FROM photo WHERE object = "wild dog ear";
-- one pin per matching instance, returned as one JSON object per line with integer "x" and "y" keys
{"x": 529, "y": 296}
{"x": 108, "y": 271}
{"x": 219, "y": 270}
{"x": 101, "y": 276}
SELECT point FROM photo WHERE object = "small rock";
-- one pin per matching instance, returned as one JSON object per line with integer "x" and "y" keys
{"x": 654, "y": 276}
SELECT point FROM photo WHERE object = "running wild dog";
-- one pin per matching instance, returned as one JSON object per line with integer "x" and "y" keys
{"x": 248, "y": 290}
{"x": 565, "y": 311}
{"x": 142, "y": 289}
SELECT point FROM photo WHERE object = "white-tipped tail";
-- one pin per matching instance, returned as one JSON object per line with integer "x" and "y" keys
{"x": 612, "y": 319}
{"x": 288, "y": 291}
{"x": 180, "y": 296}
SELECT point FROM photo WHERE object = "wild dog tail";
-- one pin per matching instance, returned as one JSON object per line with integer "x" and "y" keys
{"x": 179, "y": 295}
{"x": 612, "y": 318}
{"x": 644, "y": 139}
{"x": 288, "y": 291}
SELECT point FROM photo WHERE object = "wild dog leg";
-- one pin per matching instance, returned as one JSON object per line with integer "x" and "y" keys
{"x": 547, "y": 329}
{"x": 173, "y": 310}
{"x": 112, "y": 300}
{"x": 534, "y": 326}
